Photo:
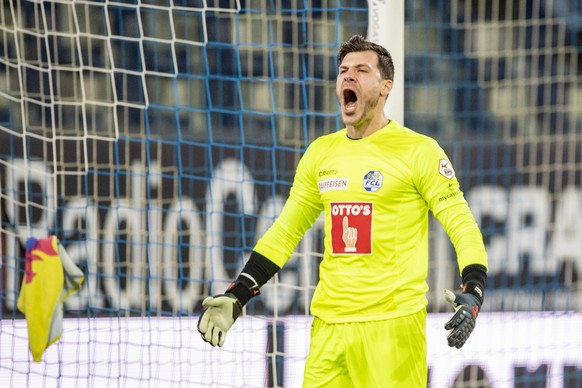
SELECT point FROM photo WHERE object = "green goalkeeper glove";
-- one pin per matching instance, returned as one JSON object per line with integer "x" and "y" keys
{"x": 461, "y": 325}
{"x": 219, "y": 314}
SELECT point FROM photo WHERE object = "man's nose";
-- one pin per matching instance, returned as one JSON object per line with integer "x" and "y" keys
{"x": 349, "y": 75}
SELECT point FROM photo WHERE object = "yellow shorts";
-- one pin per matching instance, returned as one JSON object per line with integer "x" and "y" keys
{"x": 387, "y": 353}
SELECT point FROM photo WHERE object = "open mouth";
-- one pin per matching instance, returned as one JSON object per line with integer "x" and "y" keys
{"x": 350, "y": 99}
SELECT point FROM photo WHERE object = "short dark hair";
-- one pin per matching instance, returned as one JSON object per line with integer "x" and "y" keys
{"x": 358, "y": 43}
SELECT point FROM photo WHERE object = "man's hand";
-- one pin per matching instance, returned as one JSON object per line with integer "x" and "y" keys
{"x": 463, "y": 322}
{"x": 219, "y": 314}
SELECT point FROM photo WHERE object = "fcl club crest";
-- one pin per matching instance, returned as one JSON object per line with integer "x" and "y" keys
{"x": 373, "y": 181}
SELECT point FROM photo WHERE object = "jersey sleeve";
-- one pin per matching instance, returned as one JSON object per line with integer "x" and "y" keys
{"x": 301, "y": 210}
{"x": 437, "y": 183}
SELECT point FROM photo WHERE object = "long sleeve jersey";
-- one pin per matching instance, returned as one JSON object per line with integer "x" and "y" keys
{"x": 376, "y": 194}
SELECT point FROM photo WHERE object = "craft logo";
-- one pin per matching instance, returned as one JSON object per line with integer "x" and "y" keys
{"x": 446, "y": 169}
{"x": 328, "y": 172}
{"x": 351, "y": 228}
{"x": 373, "y": 181}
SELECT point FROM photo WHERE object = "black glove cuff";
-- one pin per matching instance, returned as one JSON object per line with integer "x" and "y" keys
{"x": 257, "y": 271}
{"x": 243, "y": 289}
{"x": 475, "y": 289}
{"x": 475, "y": 280}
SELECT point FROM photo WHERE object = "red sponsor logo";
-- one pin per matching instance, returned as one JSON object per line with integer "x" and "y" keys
{"x": 351, "y": 228}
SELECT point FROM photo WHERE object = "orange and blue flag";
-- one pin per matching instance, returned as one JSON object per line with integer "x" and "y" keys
{"x": 50, "y": 277}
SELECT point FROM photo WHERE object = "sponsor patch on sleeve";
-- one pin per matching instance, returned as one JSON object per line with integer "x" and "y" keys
{"x": 446, "y": 169}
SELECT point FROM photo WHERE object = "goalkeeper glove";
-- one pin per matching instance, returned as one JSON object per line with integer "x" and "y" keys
{"x": 222, "y": 310}
{"x": 461, "y": 325}
{"x": 219, "y": 314}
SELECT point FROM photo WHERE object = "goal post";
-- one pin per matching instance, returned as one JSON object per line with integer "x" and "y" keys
{"x": 386, "y": 27}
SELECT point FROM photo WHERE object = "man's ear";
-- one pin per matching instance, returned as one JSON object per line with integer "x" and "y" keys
{"x": 386, "y": 87}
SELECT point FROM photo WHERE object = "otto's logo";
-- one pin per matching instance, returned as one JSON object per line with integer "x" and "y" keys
{"x": 351, "y": 228}
{"x": 446, "y": 169}
{"x": 373, "y": 181}
{"x": 351, "y": 209}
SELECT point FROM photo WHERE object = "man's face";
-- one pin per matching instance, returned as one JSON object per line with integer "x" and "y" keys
{"x": 360, "y": 87}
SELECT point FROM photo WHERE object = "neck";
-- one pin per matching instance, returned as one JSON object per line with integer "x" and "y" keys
{"x": 365, "y": 130}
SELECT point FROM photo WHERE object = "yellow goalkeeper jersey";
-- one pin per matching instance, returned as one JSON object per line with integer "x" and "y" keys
{"x": 375, "y": 193}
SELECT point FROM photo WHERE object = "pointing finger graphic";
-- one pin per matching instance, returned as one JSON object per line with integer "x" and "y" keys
{"x": 350, "y": 235}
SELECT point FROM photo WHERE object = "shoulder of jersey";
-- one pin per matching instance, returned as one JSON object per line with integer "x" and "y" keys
{"x": 329, "y": 138}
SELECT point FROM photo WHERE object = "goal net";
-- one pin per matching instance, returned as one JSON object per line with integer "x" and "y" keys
{"x": 158, "y": 140}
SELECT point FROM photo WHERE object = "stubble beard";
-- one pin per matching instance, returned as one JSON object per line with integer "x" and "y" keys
{"x": 358, "y": 119}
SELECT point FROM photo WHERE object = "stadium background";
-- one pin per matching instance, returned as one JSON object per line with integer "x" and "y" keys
{"x": 157, "y": 140}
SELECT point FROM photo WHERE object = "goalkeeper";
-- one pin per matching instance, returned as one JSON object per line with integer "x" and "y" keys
{"x": 376, "y": 181}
